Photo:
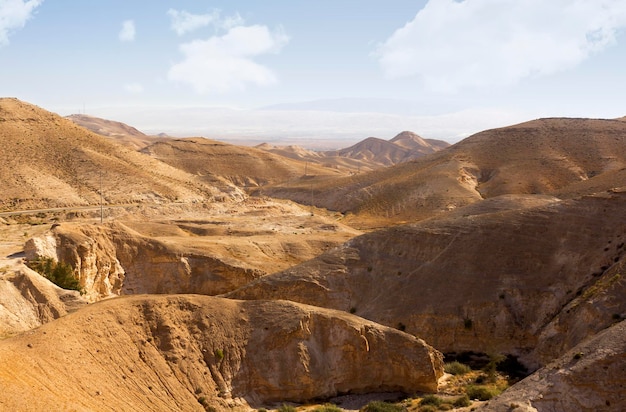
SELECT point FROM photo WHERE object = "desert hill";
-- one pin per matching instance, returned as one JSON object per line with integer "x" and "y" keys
{"x": 121, "y": 132}
{"x": 562, "y": 157}
{"x": 402, "y": 148}
{"x": 530, "y": 282}
{"x": 325, "y": 158}
{"x": 147, "y": 353}
{"x": 55, "y": 163}
{"x": 207, "y": 251}
{"x": 369, "y": 154}
{"x": 240, "y": 165}
{"x": 375, "y": 150}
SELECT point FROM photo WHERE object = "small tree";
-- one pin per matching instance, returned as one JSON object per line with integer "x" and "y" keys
{"x": 59, "y": 273}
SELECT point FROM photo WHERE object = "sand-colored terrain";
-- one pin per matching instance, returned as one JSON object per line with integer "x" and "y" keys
{"x": 509, "y": 243}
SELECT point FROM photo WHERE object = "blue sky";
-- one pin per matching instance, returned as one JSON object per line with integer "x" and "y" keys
{"x": 318, "y": 69}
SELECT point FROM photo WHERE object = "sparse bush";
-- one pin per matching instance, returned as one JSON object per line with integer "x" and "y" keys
{"x": 481, "y": 393}
{"x": 491, "y": 367}
{"x": 462, "y": 402}
{"x": 379, "y": 406}
{"x": 431, "y": 400}
{"x": 456, "y": 368}
{"x": 287, "y": 408}
{"x": 329, "y": 407}
{"x": 59, "y": 273}
{"x": 219, "y": 354}
{"x": 428, "y": 408}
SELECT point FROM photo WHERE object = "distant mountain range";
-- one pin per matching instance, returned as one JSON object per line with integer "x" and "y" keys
{"x": 366, "y": 155}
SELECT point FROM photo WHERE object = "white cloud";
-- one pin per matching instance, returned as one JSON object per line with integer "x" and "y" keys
{"x": 455, "y": 44}
{"x": 13, "y": 16}
{"x": 134, "y": 88}
{"x": 127, "y": 33}
{"x": 224, "y": 63}
{"x": 184, "y": 22}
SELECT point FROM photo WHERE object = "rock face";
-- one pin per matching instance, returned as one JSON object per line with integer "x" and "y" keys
{"x": 27, "y": 300}
{"x": 530, "y": 282}
{"x": 590, "y": 377}
{"x": 114, "y": 260}
{"x": 172, "y": 352}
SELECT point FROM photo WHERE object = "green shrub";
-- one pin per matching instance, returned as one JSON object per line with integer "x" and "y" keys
{"x": 59, "y": 273}
{"x": 287, "y": 408}
{"x": 456, "y": 368}
{"x": 219, "y": 354}
{"x": 481, "y": 393}
{"x": 462, "y": 402}
{"x": 428, "y": 408}
{"x": 431, "y": 400}
{"x": 378, "y": 406}
{"x": 329, "y": 407}
{"x": 492, "y": 366}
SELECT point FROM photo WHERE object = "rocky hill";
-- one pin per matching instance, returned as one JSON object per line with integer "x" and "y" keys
{"x": 402, "y": 148}
{"x": 589, "y": 377}
{"x": 563, "y": 157}
{"x": 531, "y": 282}
{"x": 55, "y": 163}
{"x": 190, "y": 352}
{"x": 368, "y": 154}
{"x": 209, "y": 252}
{"x": 243, "y": 166}
{"x": 121, "y": 132}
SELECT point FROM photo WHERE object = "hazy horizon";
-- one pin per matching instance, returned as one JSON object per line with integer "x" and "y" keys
{"x": 443, "y": 69}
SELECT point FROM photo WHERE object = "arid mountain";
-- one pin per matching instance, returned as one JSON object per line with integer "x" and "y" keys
{"x": 374, "y": 150}
{"x": 563, "y": 157}
{"x": 516, "y": 282}
{"x": 240, "y": 165}
{"x": 369, "y": 154}
{"x": 326, "y": 158}
{"x": 402, "y": 148}
{"x": 412, "y": 141}
{"x": 54, "y": 163}
{"x": 121, "y": 132}
{"x": 190, "y": 352}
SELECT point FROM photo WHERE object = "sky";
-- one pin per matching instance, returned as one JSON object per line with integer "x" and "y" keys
{"x": 316, "y": 72}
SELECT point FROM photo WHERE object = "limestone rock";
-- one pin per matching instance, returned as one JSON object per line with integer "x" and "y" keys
{"x": 491, "y": 282}
{"x": 589, "y": 377}
{"x": 28, "y": 300}
{"x": 166, "y": 352}
{"x": 113, "y": 260}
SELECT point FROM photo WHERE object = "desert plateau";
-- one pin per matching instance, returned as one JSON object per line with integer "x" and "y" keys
{"x": 407, "y": 274}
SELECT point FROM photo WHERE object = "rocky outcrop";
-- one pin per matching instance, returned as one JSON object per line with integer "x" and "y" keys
{"x": 515, "y": 282}
{"x": 178, "y": 352}
{"x": 589, "y": 377}
{"x": 113, "y": 260}
{"x": 28, "y": 300}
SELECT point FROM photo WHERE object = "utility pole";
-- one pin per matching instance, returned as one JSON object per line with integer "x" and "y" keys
{"x": 101, "y": 200}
